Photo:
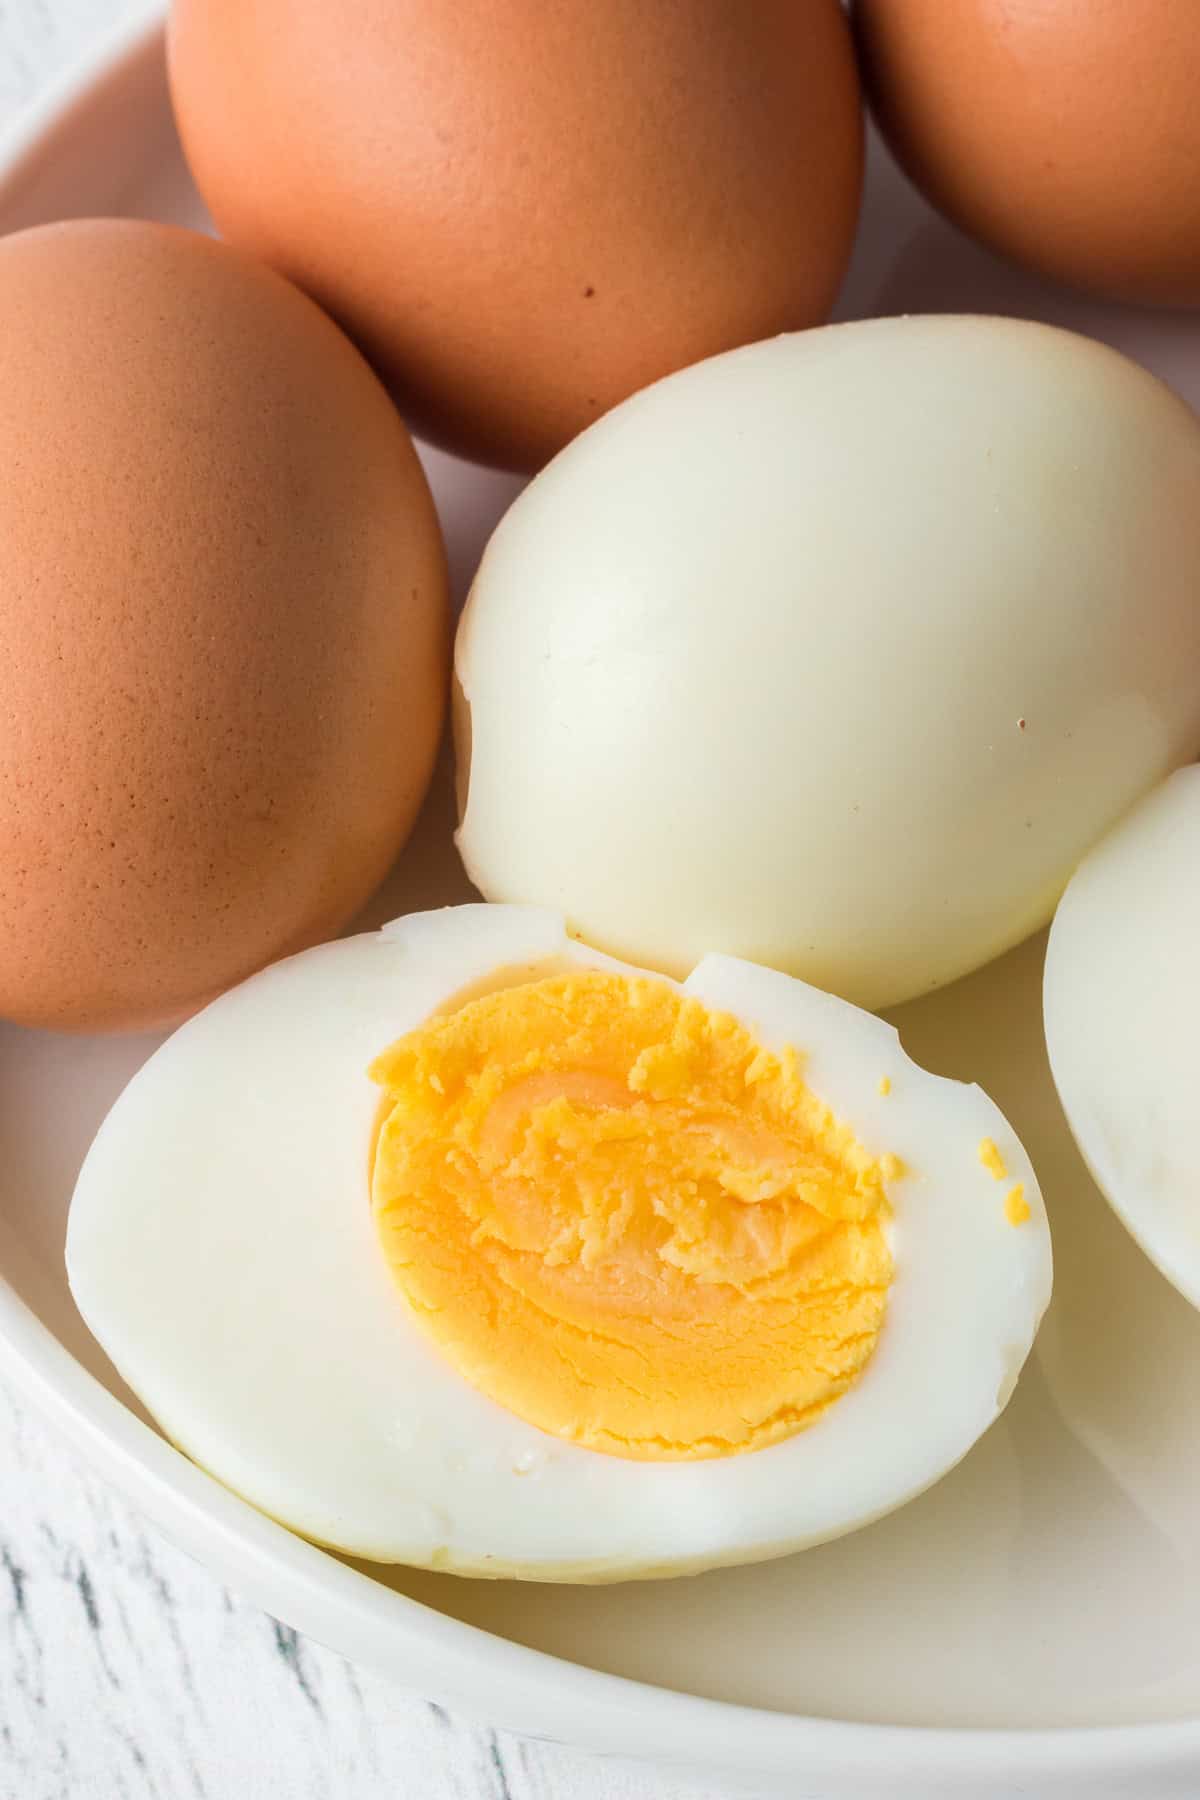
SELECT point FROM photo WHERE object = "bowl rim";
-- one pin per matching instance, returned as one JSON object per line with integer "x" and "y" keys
{"x": 479, "y": 1671}
{"x": 532, "y": 1690}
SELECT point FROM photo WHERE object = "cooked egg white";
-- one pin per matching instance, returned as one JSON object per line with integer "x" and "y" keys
{"x": 463, "y": 1245}
{"x": 837, "y": 651}
{"x": 1122, "y": 991}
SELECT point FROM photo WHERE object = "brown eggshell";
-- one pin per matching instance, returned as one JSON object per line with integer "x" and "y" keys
{"x": 223, "y": 624}
{"x": 1063, "y": 133}
{"x": 523, "y": 212}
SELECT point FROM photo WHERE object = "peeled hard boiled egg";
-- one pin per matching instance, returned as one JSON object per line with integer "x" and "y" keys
{"x": 224, "y": 636}
{"x": 836, "y": 652}
{"x": 592, "y": 1276}
{"x": 1122, "y": 998}
{"x": 524, "y": 212}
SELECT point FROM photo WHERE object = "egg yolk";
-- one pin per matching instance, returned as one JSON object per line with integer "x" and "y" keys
{"x": 620, "y": 1216}
{"x": 1016, "y": 1206}
{"x": 991, "y": 1159}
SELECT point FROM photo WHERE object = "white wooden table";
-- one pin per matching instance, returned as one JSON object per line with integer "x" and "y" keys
{"x": 126, "y": 1671}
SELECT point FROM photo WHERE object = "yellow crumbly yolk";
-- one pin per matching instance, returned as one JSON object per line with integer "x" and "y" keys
{"x": 1016, "y": 1206}
{"x": 991, "y": 1159}
{"x": 620, "y": 1216}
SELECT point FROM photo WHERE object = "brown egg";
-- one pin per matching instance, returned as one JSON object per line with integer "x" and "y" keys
{"x": 524, "y": 212}
{"x": 223, "y": 624}
{"x": 1064, "y": 134}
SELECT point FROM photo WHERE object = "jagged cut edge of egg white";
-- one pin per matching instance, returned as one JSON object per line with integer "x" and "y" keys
{"x": 221, "y": 1249}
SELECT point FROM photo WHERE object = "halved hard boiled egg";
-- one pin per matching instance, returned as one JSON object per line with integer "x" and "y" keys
{"x": 464, "y": 1245}
{"x": 1122, "y": 998}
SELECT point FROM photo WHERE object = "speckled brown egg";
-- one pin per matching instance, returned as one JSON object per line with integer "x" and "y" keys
{"x": 1063, "y": 133}
{"x": 523, "y": 212}
{"x": 223, "y": 624}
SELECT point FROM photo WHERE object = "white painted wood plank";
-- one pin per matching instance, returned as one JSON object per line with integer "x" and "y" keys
{"x": 127, "y": 1672}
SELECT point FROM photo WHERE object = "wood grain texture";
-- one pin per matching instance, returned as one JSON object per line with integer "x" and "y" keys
{"x": 129, "y": 1673}
{"x": 126, "y": 1671}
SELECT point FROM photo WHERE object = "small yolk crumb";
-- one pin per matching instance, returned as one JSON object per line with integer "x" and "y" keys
{"x": 623, "y": 1218}
{"x": 885, "y": 1084}
{"x": 1016, "y": 1206}
{"x": 991, "y": 1159}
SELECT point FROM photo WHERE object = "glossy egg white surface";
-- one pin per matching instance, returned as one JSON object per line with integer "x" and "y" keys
{"x": 221, "y": 1248}
{"x": 1122, "y": 1012}
{"x": 837, "y": 652}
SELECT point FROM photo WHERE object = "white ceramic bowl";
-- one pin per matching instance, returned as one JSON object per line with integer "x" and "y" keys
{"x": 1031, "y": 1625}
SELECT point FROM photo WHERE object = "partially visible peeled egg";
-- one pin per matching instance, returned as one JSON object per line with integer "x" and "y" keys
{"x": 1122, "y": 1000}
{"x": 464, "y": 1245}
